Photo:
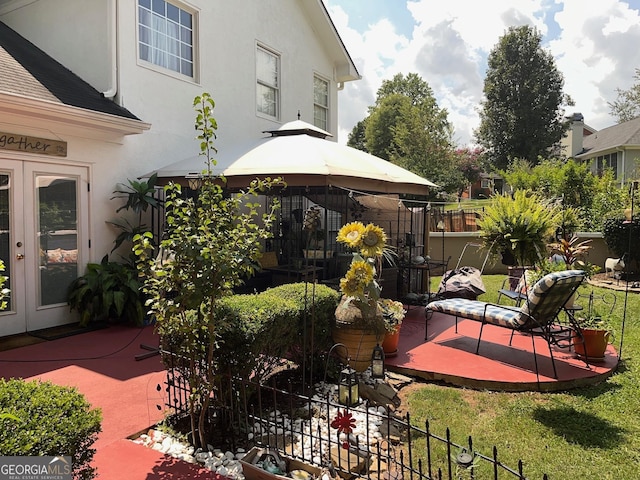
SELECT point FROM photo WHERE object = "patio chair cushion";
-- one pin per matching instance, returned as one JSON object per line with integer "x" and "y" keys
{"x": 475, "y": 310}
{"x": 533, "y": 313}
{"x": 563, "y": 283}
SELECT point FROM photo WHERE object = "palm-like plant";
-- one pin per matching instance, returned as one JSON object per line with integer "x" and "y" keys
{"x": 520, "y": 225}
{"x": 139, "y": 196}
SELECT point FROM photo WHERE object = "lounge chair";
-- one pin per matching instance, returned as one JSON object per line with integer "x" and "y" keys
{"x": 536, "y": 316}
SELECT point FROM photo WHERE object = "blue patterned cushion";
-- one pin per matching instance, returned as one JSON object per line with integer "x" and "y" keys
{"x": 554, "y": 289}
{"x": 543, "y": 303}
{"x": 475, "y": 310}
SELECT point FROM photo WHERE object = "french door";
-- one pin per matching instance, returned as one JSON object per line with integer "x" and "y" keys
{"x": 43, "y": 241}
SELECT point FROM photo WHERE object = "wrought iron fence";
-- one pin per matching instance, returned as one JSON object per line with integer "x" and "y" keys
{"x": 303, "y": 427}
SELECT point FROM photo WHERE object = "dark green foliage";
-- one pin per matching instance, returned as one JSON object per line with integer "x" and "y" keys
{"x": 522, "y": 116}
{"x": 40, "y": 418}
{"x": 356, "y": 137}
{"x": 140, "y": 195}
{"x": 111, "y": 290}
{"x": 107, "y": 291}
{"x": 522, "y": 225}
{"x": 406, "y": 127}
{"x": 257, "y": 330}
{"x": 616, "y": 236}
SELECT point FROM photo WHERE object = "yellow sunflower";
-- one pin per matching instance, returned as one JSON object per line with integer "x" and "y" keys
{"x": 351, "y": 287}
{"x": 359, "y": 275}
{"x": 374, "y": 241}
{"x": 351, "y": 234}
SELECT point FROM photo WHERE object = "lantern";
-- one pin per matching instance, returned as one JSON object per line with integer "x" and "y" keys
{"x": 194, "y": 181}
{"x": 377, "y": 362}
{"x": 348, "y": 387}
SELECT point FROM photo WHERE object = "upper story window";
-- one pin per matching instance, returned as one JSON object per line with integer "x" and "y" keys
{"x": 268, "y": 82}
{"x": 320, "y": 103}
{"x": 608, "y": 162}
{"x": 165, "y": 36}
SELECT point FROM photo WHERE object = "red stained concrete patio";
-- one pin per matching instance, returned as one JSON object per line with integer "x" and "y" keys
{"x": 102, "y": 365}
{"x": 450, "y": 357}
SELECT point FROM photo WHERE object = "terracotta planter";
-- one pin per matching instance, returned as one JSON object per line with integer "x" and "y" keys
{"x": 390, "y": 343}
{"x": 595, "y": 344}
{"x": 359, "y": 344}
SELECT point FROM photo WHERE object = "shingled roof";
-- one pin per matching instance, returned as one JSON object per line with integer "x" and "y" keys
{"x": 622, "y": 134}
{"x": 26, "y": 70}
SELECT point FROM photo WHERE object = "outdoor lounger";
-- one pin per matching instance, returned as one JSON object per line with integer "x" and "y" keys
{"x": 536, "y": 316}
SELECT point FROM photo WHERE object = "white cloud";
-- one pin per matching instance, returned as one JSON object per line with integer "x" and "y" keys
{"x": 595, "y": 49}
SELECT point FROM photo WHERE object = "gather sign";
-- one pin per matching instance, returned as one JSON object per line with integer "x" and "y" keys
{"x": 25, "y": 143}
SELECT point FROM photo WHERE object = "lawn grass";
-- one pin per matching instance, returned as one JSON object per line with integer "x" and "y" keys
{"x": 468, "y": 204}
{"x": 590, "y": 432}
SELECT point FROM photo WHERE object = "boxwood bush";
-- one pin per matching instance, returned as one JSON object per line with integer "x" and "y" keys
{"x": 40, "y": 418}
{"x": 270, "y": 325}
{"x": 255, "y": 331}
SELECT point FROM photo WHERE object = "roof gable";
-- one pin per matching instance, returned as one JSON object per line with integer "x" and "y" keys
{"x": 622, "y": 134}
{"x": 28, "y": 71}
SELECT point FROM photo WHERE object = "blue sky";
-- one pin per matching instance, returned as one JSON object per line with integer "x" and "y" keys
{"x": 595, "y": 44}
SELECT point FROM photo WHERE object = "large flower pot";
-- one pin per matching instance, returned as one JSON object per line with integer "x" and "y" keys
{"x": 595, "y": 344}
{"x": 359, "y": 345}
{"x": 390, "y": 343}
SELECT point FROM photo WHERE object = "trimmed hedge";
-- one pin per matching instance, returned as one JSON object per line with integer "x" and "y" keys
{"x": 271, "y": 323}
{"x": 40, "y": 418}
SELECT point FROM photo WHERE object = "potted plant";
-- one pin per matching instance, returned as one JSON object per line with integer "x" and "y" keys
{"x": 360, "y": 324}
{"x": 572, "y": 252}
{"x": 597, "y": 333}
{"x": 111, "y": 290}
{"x": 393, "y": 313}
{"x": 518, "y": 227}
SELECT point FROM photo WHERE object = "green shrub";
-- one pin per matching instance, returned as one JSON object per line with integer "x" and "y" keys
{"x": 271, "y": 324}
{"x": 256, "y": 330}
{"x": 108, "y": 291}
{"x": 617, "y": 235}
{"x": 40, "y": 418}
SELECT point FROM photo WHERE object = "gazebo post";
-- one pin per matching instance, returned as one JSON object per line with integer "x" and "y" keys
{"x": 427, "y": 229}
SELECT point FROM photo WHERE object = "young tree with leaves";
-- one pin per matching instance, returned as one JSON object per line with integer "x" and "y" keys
{"x": 627, "y": 106}
{"x": 406, "y": 127}
{"x": 522, "y": 115}
{"x": 211, "y": 243}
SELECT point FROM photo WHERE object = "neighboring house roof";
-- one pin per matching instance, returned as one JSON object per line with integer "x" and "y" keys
{"x": 28, "y": 71}
{"x": 625, "y": 134}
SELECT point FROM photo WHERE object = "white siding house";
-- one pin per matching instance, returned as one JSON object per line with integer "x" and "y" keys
{"x": 264, "y": 62}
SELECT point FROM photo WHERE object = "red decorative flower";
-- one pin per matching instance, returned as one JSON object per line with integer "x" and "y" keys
{"x": 344, "y": 422}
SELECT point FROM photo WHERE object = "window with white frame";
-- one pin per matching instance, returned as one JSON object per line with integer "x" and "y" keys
{"x": 267, "y": 82}
{"x": 485, "y": 183}
{"x": 608, "y": 162}
{"x": 165, "y": 36}
{"x": 320, "y": 103}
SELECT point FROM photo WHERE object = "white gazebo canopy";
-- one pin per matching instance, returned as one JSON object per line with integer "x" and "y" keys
{"x": 300, "y": 154}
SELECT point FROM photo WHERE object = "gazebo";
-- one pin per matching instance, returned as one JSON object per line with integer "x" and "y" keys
{"x": 345, "y": 183}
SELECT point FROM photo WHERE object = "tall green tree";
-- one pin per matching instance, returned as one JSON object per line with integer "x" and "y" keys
{"x": 522, "y": 115}
{"x": 356, "y": 136}
{"x": 627, "y": 106}
{"x": 407, "y": 127}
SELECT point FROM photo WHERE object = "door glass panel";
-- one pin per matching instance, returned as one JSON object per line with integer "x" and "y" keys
{"x": 56, "y": 200}
{"x": 5, "y": 233}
